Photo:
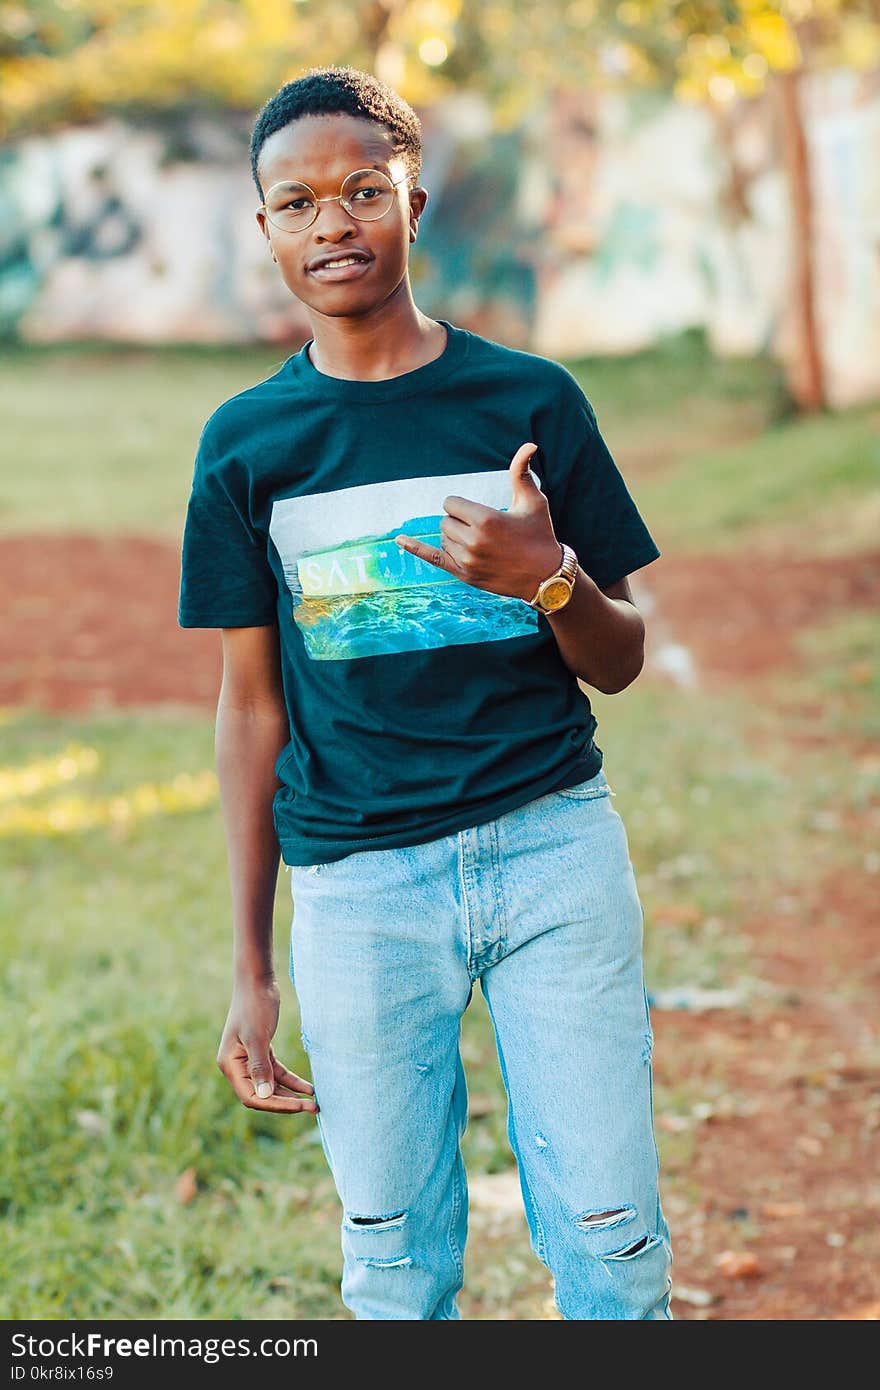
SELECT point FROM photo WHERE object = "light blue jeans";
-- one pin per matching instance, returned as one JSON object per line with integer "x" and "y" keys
{"x": 541, "y": 906}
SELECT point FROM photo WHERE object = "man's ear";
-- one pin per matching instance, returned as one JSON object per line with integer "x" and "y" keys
{"x": 417, "y": 199}
{"x": 261, "y": 223}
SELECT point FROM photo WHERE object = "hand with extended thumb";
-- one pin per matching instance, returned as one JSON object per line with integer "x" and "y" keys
{"x": 525, "y": 490}
{"x": 505, "y": 552}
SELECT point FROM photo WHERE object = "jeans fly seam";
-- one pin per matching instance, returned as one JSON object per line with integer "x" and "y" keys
{"x": 498, "y": 891}
{"x": 463, "y": 879}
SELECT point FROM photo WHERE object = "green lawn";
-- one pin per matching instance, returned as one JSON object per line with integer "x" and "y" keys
{"x": 105, "y": 438}
{"x": 117, "y": 938}
{"x": 784, "y": 484}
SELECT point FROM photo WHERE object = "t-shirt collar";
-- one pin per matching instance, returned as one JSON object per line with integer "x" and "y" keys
{"x": 306, "y": 374}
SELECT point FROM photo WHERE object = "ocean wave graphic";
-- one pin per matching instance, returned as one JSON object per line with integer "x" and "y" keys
{"x": 408, "y": 619}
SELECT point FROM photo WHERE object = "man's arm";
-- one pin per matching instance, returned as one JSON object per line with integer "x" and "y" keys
{"x": 251, "y": 730}
{"x": 601, "y": 634}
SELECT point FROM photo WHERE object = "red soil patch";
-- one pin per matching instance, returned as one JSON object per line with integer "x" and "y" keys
{"x": 784, "y": 1152}
{"x": 90, "y": 623}
{"x": 738, "y": 614}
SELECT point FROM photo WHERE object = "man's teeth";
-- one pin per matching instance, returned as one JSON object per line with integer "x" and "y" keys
{"x": 345, "y": 260}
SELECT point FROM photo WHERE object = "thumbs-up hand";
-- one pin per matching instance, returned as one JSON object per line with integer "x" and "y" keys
{"x": 526, "y": 493}
{"x": 505, "y": 552}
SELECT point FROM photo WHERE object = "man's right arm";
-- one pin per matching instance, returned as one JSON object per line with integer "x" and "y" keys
{"x": 251, "y": 730}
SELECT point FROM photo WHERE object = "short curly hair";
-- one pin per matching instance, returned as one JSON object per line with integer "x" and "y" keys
{"x": 340, "y": 90}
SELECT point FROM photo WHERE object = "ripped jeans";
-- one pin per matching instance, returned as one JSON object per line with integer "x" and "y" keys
{"x": 541, "y": 906}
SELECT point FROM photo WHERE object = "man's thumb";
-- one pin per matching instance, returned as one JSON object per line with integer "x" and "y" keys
{"x": 260, "y": 1071}
{"x": 520, "y": 476}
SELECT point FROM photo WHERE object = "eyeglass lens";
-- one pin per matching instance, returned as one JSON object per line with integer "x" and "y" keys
{"x": 366, "y": 194}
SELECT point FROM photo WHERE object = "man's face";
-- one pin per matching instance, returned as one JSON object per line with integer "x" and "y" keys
{"x": 320, "y": 151}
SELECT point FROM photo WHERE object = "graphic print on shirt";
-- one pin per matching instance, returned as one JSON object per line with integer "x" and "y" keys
{"x": 356, "y": 593}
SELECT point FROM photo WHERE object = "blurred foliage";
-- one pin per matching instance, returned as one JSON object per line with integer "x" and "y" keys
{"x": 69, "y": 61}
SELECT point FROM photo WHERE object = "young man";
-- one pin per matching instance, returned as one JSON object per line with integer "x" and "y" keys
{"x": 415, "y": 542}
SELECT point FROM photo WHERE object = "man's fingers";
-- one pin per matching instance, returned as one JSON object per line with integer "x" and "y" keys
{"x": 282, "y": 1104}
{"x": 456, "y": 532}
{"x": 521, "y": 460}
{"x": 288, "y": 1094}
{"x": 465, "y": 510}
{"x": 449, "y": 558}
{"x": 290, "y": 1078}
{"x": 260, "y": 1070}
{"x": 430, "y": 553}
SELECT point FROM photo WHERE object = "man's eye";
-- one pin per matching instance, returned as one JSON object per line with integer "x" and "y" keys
{"x": 298, "y": 204}
{"x": 371, "y": 192}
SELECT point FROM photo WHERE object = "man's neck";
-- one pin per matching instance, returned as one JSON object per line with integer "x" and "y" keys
{"x": 387, "y": 344}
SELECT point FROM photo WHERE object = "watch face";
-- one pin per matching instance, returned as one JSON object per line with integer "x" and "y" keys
{"x": 555, "y": 594}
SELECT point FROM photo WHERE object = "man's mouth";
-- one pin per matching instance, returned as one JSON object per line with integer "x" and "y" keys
{"x": 342, "y": 268}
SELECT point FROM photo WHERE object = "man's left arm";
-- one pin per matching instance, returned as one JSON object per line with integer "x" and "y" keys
{"x": 601, "y": 634}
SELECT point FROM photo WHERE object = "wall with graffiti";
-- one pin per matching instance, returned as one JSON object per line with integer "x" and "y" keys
{"x": 599, "y": 226}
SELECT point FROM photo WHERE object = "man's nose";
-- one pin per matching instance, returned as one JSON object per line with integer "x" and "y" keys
{"x": 333, "y": 219}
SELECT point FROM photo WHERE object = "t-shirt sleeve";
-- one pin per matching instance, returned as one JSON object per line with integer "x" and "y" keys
{"x": 225, "y": 576}
{"x": 597, "y": 516}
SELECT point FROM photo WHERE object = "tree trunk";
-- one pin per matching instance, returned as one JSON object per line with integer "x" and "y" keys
{"x": 806, "y": 377}
{"x": 374, "y": 18}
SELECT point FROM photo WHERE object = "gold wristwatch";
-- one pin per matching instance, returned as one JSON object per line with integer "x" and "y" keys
{"x": 555, "y": 592}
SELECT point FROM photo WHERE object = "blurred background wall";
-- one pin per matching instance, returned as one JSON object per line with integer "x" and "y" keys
{"x": 670, "y": 166}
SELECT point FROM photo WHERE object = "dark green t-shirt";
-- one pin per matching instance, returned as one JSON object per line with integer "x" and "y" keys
{"x": 418, "y": 704}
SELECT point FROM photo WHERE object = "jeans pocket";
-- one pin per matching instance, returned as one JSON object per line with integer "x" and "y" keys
{"x": 594, "y": 787}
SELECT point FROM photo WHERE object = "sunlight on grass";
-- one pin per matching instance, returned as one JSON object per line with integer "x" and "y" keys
{"x": 116, "y": 984}
{"x": 67, "y": 815}
{"x": 37, "y": 776}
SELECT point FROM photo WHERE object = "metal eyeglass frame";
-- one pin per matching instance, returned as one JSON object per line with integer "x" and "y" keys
{"x": 337, "y": 198}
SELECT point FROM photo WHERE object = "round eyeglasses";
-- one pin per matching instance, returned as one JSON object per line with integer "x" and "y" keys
{"x": 366, "y": 194}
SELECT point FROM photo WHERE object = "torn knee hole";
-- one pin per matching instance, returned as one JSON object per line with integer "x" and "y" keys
{"x": 372, "y": 1262}
{"x": 629, "y": 1252}
{"x": 601, "y": 1220}
{"x": 396, "y": 1218}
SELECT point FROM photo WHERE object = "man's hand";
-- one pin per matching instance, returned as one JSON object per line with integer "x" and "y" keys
{"x": 507, "y": 552}
{"x": 246, "y": 1057}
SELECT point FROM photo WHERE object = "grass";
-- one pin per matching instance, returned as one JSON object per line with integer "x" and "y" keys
{"x": 106, "y": 437}
{"x": 118, "y": 950}
{"x": 780, "y": 486}
{"x": 676, "y": 399}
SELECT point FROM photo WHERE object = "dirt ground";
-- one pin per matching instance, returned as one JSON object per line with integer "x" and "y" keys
{"x": 791, "y": 1148}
